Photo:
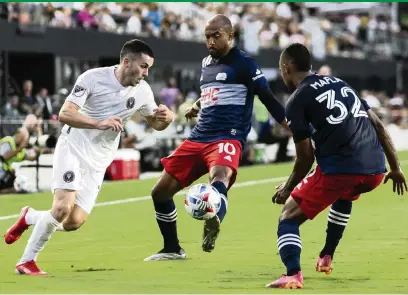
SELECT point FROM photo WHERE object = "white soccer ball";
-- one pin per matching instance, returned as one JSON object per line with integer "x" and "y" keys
{"x": 21, "y": 183}
{"x": 202, "y": 201}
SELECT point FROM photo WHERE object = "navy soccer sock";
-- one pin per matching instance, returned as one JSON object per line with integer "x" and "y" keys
{"x": 222, "y": 189}
{"x": 166, "y": 216}
{"x": 289, "y": 245}
{"x": 337, "y": 221}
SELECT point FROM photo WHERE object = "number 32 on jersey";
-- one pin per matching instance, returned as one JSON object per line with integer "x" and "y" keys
{"x": 330, "y": 98}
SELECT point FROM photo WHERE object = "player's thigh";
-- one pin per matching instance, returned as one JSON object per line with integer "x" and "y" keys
{"x": 222, "y": 159}
{"x": 185, "y": 163}
{"x": 317, "y": 191}
{"x": 67, "y": 170}
{"x": 66, "y": 179}
{"x": 91, "y": 184}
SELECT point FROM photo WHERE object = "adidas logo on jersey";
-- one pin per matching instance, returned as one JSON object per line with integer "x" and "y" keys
{"x": 228, "y": 158}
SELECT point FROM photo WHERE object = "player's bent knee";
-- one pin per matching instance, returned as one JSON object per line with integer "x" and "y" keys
{"x": 61, "y": 211}
{"x": 292, "y": 211}
{"x": 166, "y": 188}
{"x": 63, "y": 204}
{"x": 221, "y": 173}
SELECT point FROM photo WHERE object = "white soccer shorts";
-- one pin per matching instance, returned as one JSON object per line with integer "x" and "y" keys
{"x": 73, "y": 173}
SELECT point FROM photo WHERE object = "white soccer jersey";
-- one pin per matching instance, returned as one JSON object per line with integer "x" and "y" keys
{"x": 99, "y": 95}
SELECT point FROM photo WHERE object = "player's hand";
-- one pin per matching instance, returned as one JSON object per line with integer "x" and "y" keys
{"x": 113, "y": 123}
{"x": 281, "y": 194}
{"x": 163, "y": 113}
{"x": 191, "y": 113}
{"x": 398, "y": 181}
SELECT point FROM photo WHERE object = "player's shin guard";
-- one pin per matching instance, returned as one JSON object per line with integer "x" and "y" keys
{"x": 222, "y": 189}
{"x": 166, "y": 216}
{"x": 337, "y": 221}
{"x": 289, "y": 245}
{"x": 42, "y": 232}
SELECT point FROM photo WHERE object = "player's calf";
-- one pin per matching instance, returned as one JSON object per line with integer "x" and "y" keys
{"x": 339, "y": 215}
{"x": 219, "y": 177}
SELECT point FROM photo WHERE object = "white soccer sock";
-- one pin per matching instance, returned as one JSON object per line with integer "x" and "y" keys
{"x": 42, "y": 232}
{"x": 33, "y": 216}
{"x": 60, "y": 227}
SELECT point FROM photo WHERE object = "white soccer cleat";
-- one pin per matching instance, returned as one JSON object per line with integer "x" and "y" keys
{"x": 164, "y": 255}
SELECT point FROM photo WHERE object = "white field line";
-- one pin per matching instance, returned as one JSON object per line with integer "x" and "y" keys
{"x": 144, "y": 198}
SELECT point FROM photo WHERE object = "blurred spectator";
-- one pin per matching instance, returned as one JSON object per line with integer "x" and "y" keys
{"x": 11, "y": 108}
{"x": 28, "y": 103}
{"x": 45, "y": 109}
{"x": 86, "y": 17}
{"x": 170, "y": 95}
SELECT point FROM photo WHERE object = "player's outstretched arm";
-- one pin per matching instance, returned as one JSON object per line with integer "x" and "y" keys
{"x": 69, "y": 115}
{"x": 303, "y": 164}
{"x": 161, "y": 118}
{"x": 395, "y": 174}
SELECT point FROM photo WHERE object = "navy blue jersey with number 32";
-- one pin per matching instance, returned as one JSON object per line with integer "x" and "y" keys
{"x": 329, "y": 111}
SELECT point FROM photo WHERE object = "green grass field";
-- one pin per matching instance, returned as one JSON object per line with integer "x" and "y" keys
{"x": 106, "y": 254}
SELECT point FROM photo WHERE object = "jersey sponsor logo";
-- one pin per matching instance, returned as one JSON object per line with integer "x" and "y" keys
{"x": 209, "y": 96}
{"x": 130, "y": 103}
{"x": 69, "y": 176}
{"x": 221, "y": 77}
{"x": 78, "y": 90}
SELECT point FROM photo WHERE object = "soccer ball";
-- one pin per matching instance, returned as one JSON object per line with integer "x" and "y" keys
{"x": 202, "y": 201}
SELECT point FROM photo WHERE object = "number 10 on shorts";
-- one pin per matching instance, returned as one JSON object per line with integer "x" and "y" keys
{"x": 226, "y": 147}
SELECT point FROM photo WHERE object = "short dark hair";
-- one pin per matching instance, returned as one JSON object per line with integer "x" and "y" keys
{"x": 298, "y": 55}
{"x": 135, "y": 46}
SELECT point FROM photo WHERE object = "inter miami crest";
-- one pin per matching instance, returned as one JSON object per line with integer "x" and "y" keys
{"x": 130, "y": 103}
{"x": 78, "y": 90}
{"x": 69, "y": 176}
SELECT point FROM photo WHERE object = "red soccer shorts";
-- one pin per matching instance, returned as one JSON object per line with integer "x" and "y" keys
{"x": 318, "y": 191}
{"x": 191, "y": 160}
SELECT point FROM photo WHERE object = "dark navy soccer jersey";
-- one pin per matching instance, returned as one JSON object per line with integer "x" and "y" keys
{"x": 329, "y": 111}
{"x": 228, "y": 86}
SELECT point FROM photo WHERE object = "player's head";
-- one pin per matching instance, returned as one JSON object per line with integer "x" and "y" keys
{"x": 136, "y": 57}
{"x": 294, "y": 59}
{"x": 219, "y": 35}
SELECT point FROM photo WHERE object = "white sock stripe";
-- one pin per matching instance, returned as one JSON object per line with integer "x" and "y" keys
{"x": 339, "y": 213}
{"x": 289, "y": 239}
{"x": 289, "y": 243}
{"x": 337, "y": 222}
{"x": 288, "y": 235}
{"x": 167, "y": 217}
{"x": 338, "y": 218}
{"x": 166, "y": 220}
{"x": 167, "y": 214}
{"x": 225, "y": 200}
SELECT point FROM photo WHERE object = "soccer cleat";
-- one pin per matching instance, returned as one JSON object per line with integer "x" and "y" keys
{"x": 18, "y": 228}
{"x": 166, "y": 255}
{"x": 30, "y": 268}
{"x": 324, "y": 264}
{"x": 210, "y": 233}
{"x": 288, "y": 282}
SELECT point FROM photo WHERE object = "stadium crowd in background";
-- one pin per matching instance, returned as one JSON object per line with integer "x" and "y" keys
{"x": 257, "y": 25}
